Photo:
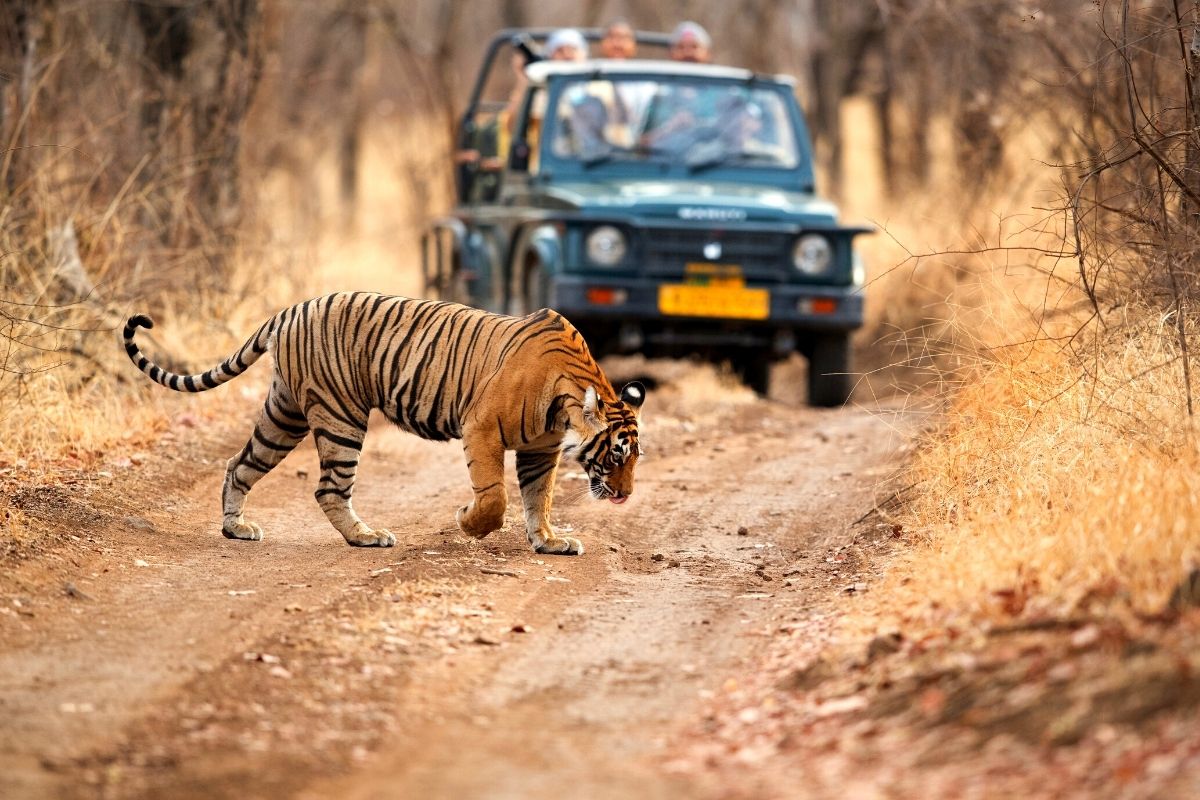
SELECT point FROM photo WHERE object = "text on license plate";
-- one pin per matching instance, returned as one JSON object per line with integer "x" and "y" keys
{"x": 734, "y": 302}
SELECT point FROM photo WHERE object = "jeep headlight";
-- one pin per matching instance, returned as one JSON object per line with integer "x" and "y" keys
{"x": 812, "y": 254}
{"x": 606, "y": 246}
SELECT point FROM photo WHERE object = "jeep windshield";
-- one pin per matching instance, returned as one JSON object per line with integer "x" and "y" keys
{"x": 668, "y": 123}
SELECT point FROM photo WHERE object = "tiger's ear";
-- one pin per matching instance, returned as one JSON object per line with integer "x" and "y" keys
{"x": 633, "y": 394}
{"x": 593, "y": 408}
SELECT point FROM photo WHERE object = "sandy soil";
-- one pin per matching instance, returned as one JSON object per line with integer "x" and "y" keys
{"x": 144, "y": 655}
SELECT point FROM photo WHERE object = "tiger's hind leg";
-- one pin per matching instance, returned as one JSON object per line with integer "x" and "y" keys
{"x": 339, "y": 445}
{"x": 535, "y": 474}
{"x": 280, "y": 427}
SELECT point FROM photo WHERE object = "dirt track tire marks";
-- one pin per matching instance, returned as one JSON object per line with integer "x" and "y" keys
{"x": 298, "y": 666}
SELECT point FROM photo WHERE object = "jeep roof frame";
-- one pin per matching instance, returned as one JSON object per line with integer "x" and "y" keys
{"x": 505, "y": 37}
{"x": 539, "y": 72}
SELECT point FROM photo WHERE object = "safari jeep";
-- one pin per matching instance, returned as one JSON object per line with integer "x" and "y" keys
{"x": 664, "y": 208}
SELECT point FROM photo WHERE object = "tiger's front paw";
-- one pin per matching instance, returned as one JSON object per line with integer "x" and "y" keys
{"x": 475, "y": 531}
{"x": 365, "y": 537}
{"x": 560, "y": 546}
{"x": 248, "y": 531}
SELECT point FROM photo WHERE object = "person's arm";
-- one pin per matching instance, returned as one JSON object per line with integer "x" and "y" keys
{"x": 518, "y": 92}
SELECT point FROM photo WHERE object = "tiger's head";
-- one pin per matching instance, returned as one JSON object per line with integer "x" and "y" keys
{"x": 608, "y": 445}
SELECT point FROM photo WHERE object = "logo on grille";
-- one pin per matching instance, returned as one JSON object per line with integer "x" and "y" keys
{"x": 719, "y": 214}
{"x": 712, "y": 251}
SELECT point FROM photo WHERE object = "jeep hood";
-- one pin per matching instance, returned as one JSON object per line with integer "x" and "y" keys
{"x": 693, "y": 201}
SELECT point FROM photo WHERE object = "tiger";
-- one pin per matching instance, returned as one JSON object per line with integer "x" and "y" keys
{"x": 439, "y": 370}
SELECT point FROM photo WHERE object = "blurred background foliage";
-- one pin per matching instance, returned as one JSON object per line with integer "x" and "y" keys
{"x": 151, "y": 123}
{"x": 235, "y": 154}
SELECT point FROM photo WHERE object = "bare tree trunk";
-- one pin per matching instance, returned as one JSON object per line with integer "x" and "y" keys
{"x": 883, "y": 116}
{"x": 349, "y": 83}
{"x": 440, "y": 70}
{"x": 10, "y": 38}
{"x": 921, "y": 154}
{"x": 1192, "y": 85}
{"x": 845, "y": 38}
{"x": 1192, "y": 166}
{"x": 827, "y": 82}
{"x": 167, "y": 31}
{"x": 28, "y": 29}
{"x": 220, "y": 109}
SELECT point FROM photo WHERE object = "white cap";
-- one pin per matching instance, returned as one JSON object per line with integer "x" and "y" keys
{"x": 690, "y": 30}
{"x": 566, "y": 37}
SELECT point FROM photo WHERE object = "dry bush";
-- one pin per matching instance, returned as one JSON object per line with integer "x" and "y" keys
{"x": 113, "y": 155}
{"x": 944, "y": 286}
{"x": 67, "y": 392}
{"x": 1063, "y": 473}
{"x": 1049, "y": 486}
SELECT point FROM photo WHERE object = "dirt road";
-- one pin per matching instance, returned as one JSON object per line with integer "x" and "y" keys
{"x": 144, "y": 655}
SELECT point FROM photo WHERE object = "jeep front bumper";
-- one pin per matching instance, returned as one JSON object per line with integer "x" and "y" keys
{"x": 630, "y": 310}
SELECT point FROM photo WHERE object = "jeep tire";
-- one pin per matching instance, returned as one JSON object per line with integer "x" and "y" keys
{"x": 829, "y": 383}
{"x": 754, "y": 370}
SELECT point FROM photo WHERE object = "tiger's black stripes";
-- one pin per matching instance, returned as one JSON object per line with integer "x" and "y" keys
{"x": 441, "y": 371}
{"x": 533, "y": 467}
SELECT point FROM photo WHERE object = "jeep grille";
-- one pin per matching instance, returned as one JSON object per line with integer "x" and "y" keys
{"x": 762, "y": 255}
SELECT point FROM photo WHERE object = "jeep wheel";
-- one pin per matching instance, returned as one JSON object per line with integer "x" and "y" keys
{"x": 829, "y": 370}
{"x": 754, "y": 370}
{"x": 451, "y": 286}
{"x": 533, "y": 295}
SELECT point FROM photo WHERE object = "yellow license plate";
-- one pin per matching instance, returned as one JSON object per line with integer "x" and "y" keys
{"x": 733, "y": 302}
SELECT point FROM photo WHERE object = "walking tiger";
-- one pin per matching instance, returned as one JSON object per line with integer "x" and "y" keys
{"x": 441, "y": 371}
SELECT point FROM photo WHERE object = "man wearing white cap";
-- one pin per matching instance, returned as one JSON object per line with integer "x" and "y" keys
{"x": 566, "y": 44}
{"x": 690, "y": 42}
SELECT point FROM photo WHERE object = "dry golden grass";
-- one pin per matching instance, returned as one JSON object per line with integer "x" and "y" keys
{"x": 1057, "y": 476}
{"x": 61, "y": 409}
{"x": 1055, "y": 482}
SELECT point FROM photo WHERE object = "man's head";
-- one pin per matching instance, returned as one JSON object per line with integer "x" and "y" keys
{"x": 690, "y": 42}
{"x": 618, "y": 41}
{"x": 566, "y": 44}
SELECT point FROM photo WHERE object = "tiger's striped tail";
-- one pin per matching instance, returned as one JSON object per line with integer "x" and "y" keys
{"x": 226, "y": 371}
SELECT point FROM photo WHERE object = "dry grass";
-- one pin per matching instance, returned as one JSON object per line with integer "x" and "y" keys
{"x": 70, "y": 397}
{"x": 71, "y": 402}
{"x": 1063, "y": 471}
{"x": 1056, "y": 481}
